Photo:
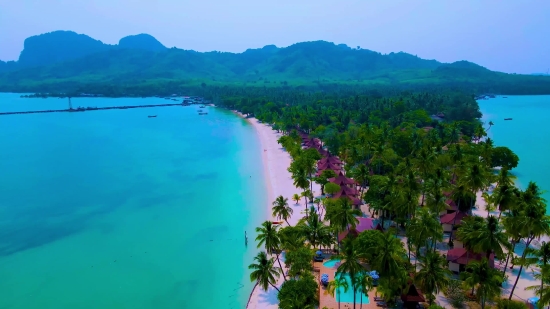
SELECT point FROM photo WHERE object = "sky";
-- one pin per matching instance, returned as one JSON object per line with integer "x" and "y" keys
{"x": 505, "y": 35}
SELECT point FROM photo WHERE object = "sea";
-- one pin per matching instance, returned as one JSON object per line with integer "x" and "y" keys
{"x": 113, "y": 209}
{"x": 527, "y": 135}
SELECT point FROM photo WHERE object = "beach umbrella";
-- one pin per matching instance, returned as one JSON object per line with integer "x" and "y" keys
{"x": 319, "y": 252}
{"x": 533, "y": 301}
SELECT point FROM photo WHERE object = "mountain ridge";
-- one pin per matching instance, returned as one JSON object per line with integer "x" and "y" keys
{"x": 66, "y": 60}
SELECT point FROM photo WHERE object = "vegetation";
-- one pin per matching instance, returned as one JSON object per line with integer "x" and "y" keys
{"x": 66, "y": 62}
{"x": 409, "y": 169}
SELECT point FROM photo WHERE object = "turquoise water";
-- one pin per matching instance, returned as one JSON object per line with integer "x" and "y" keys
{"x": 347, "y": 297}
{"x": 527, "y": 134}
{"x": 331, "y": 263}
{"x": 111, "y": 209}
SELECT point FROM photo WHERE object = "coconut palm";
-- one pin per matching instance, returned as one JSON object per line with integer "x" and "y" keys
{"x": 542, "y": 290}
{"x": 425, "y": 227}
{"x": 364, "y": 284}
{"x": 291, "y": 238}
{"x": 486, "y": 280}
{"x": 341, "y": 215}
{"x": 532, "y": 220}
{"x": 313, "y": 229}
{"x": 542, "y": 256}
{"x": 477, "y": 178}
{"x": 349, "y": 256}
{"x": 264, "y": 273}
{"x": 390, "y": 254}
{"x": 268, "y": 236}
{"x": 433, "y": 275}
{"x": 296, "y": 198}
{"x": 491, "y": 238}
{"x": 335, "y": 286}
{"x": 281, "y": 210}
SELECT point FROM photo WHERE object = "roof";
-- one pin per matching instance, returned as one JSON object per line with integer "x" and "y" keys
{"x": 364, "y": 224}
{"x": 330, "y": 159}
{"x": 328, "y": 165}
{"x": 451, "y": 204}
{"x": 344, "y": 234}
{"x": 413, "y": 295}
{"x": 453, "y": 217}
{"x": 346, "y": 191}
{"x": 342, "y": 180}
{"x": 462, "y": 257}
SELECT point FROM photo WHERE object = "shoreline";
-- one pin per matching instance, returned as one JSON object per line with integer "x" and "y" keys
{"x": 278, "y": 182}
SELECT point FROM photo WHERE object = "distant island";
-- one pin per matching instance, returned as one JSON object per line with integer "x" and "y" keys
{"x": 67, "y": 62}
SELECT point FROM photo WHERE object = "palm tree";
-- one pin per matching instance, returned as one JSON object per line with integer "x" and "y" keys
{"x": 281, "y": 210}
{"x": 313, "y": 229}
{"x": 390, "y": 254}
{"x": 487, "y": 280}
{"x": 342, "y": 216}
{"x": 335, "y": 286}
{"x": 423, "y": 227}
{"x": 476, "y": 178}
{"x": 491, "y": 238}
{"x": 296, "y": 197}
{"x": 364, "y": 284}
{"x": 264, "y": 273}
{"x": 433, "y": 275}
{"x": 268, "y": 235}
{"x": 532, "y": 220}
{"x": 350, "y": 265}
{"x": 542, "y": 290}
{"x": 543, "y": 257}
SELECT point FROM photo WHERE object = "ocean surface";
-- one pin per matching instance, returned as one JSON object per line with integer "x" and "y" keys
{"x": 112, "y": 209}
{"x": 527, "y": 134}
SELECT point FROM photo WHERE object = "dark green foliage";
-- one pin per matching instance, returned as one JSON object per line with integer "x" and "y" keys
{"x": 67, "y": 61}
{"x": 299, "y": 261}
{"x": 504, "y": 157}
{"x": 299, "y": 293}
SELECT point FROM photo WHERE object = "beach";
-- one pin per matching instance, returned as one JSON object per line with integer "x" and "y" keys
{"x": 278, "y": 182}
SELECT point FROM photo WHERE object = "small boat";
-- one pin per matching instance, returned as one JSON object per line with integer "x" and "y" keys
{"x": 507, "y": 118}
{"x": 278, "y": 222}
{"x": 203, "y": 113}
{"x": 152, "y": 116}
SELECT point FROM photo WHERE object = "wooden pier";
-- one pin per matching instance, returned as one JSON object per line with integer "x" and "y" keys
{"x": 88, "y": 109}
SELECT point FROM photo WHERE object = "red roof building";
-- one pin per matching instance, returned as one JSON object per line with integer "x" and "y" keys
{"x": 458, "y": 258}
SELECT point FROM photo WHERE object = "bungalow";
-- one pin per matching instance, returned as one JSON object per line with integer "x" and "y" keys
{"x": 448, "y": 220}
{"x": 364, "y": 224}
{"x": 451, "y": 207}
{"x": 413, "y": 297}
{"x": 458, "y": 258}
{"x": 343, "y": 181}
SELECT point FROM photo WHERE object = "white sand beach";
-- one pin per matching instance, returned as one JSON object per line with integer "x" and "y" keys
{"x": 279, "y": 182}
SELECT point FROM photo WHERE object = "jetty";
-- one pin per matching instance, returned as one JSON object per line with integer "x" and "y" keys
{"x": 87, "y": 109}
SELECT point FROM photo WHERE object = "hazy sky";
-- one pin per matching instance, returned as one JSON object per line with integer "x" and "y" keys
{"x": 503, "y": 35}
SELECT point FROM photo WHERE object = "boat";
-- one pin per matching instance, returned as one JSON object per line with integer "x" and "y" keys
{"x": 201, "y": 106}
{"x": 152, "y": 116}
{"x": 278, "y": 222}
{"x": 507, "y": 118}
{"x": 203, "y": 113}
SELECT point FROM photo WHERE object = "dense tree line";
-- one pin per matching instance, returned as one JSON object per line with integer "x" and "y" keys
{"x": 410, "y": 169}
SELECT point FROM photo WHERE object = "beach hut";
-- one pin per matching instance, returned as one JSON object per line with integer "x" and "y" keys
{"x": 458, "y": 258}
{"x": 451, "y": 207}
{"x": 364, "y": 224}
{"x": 343, "y": 181}
{"x": 447, "y": 220}
{"x": 330, "y": 159}
{"x": 412, "y": 298}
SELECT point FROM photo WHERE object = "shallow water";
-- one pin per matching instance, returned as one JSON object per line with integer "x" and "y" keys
{"x": 527, "y": 134}
{"x": 111, "y": 209}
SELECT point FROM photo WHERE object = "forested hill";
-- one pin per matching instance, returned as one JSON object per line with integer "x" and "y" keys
{"x": 66, "y": 61}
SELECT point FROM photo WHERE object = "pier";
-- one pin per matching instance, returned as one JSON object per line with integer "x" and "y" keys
{"x": 87, "y": 109}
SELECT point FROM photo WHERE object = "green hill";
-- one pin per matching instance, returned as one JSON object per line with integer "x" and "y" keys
{"x": 65, "y": 61}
